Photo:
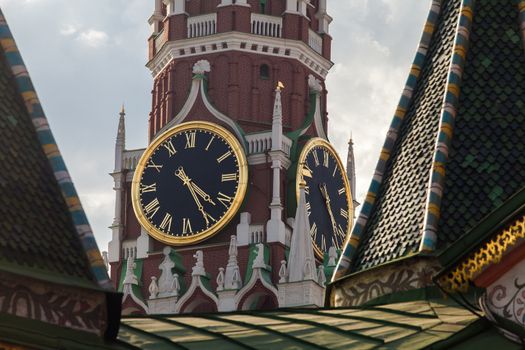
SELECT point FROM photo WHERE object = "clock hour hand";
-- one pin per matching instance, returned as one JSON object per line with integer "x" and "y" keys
{"x": 324, "y": 193}
{"x": 201, "y": 193}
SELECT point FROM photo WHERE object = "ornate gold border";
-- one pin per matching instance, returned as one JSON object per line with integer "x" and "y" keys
{"x": 319, "y": 142}
{"x": 489, "y": 253}
{"x": 236, "y": 204}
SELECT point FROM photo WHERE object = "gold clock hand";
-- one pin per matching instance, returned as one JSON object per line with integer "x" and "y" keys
{"x": 201, "y": 193}
{"x": 187, "y": 182}
{"x": 326, "y": 196}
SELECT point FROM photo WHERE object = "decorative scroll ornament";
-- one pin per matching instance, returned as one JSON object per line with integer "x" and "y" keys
{"x": 201, "y": 67}
{"x": 488, "y": 254}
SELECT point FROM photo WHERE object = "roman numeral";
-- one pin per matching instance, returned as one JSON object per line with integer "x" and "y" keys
{"x": 306, "y": 170}
{"x": 340, "y": 232}
{"x": 323, "y": 243}
{"x": 335, "y": 169}
{"x": 325, "y": 159}
{"x": 169, "y": 146}
{"x": 341, "y": 191}
{"x": 344, "y": 213}
{"x": 316, "y": 158}
{"x": 225, "y": 200}
{"x": 148, "y": 188}
{"x": 224, "y": 156}
{"x": 154, "y": 166}
{"x": 190, "y": 139}
{"x": 308, "y": 208}
{"x": 313, "y": 232}
{"x": 334, "y": 243}
{"x": 209, "y": 143}
{"x": 152, "y": 208}
{"x": 166, "y": 222}
{"x": 229, "y": 177}
{"x": 186, "y": 226}
{"x": 307, "y": 189}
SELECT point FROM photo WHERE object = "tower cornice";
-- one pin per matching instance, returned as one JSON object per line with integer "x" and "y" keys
{"x": 243, "y": 42}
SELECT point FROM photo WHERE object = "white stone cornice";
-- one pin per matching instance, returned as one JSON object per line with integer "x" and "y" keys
{"x": 244, "y": 42}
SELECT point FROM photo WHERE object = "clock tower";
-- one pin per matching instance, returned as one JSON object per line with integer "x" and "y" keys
{"x": 239, "y": 201}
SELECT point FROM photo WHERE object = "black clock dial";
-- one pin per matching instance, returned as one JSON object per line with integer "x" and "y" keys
{"x": 190, "y": 183}
{"x": 328, "y": 202}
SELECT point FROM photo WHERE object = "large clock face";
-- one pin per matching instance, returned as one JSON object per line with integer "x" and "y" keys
{"x": 328, "y": 198}
{"x": 189, "y": 183}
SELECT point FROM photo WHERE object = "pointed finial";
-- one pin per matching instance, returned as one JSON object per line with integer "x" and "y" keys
{"x": 280, "y": 86}
{"x": 351, "y": 141}
{"x": 122, "y": 110}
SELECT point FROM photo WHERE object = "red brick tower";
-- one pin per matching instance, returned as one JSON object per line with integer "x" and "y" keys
{"x": 220, "y": 61}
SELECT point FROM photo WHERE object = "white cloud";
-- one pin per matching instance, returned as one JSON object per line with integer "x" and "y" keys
{"x": 68, "y": 30}
{"x": 93, "y": 38}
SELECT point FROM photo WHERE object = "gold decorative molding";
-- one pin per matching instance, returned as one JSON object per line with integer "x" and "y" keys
{"x": 491, "y": 252}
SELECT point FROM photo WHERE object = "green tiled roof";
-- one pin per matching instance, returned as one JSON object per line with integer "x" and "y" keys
{"x": 459, "y": 150}
{"x": 395, "y": 225}
{"x": 36, "y": 230}
{"x": 412, "y": 325}
{"x": 41, "y": 235}
{"x": 487, "y": 155}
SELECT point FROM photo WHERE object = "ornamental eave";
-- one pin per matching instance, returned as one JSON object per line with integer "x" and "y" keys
{"x": 243, "y": 42}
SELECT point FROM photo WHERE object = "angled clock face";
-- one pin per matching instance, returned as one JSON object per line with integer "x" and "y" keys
{"x": 328, "y": 197}
{"x": 189, "y": 183}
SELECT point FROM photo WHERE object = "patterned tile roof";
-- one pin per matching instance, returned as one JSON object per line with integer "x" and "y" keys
{"x": 452, "y": 153}
{"x": 487, "y": 154}
{"x": 43, "y": 229}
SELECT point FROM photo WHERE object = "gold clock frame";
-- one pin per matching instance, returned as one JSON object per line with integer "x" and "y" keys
{"x": 310, "y": 145}
{"x": 230, "y": 213}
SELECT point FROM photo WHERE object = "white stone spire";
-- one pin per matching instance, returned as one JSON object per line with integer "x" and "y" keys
{"x": 301, "y": 259}
{"x": 120, "y": 143}
{"x": 275, "y": 228}
{"x": 232, "y": 276}
{"x": 119, "y": 177}
{"x": 350, "y": 171}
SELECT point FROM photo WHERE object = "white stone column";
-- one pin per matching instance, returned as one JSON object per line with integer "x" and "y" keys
{"x": 291, "y": 6}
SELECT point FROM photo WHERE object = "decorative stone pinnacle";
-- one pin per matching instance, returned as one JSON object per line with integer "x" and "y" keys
{"x": 280, "y": 86}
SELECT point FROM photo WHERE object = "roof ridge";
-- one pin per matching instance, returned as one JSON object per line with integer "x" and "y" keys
{"x": 350, "y": 249}
{"x": 446, "y": 128}
{"x": 27, "y": 92}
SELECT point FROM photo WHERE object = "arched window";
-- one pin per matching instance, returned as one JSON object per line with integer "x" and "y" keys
{"x": 264, "y": 71}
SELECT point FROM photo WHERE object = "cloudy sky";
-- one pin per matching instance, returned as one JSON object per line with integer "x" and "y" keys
{"x": 87, "y": 57}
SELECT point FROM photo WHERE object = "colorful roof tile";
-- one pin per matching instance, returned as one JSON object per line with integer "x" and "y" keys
{"x": 44, "y": 232}
{"x": 454, "y": 150}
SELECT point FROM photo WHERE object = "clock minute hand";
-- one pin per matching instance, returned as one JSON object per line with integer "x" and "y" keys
{"x": 187, "y": 182}
{"x": 324, "y": 193}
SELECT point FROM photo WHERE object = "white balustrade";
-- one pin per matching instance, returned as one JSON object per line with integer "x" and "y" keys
{"x": 262, "y": 142}
{"x": 131, "y": 159}
{"x": 257, "y": 234}
{"x": 315, "y": 41}
{"x": 202, "y": 25}
{"x": 267, "y": 25}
